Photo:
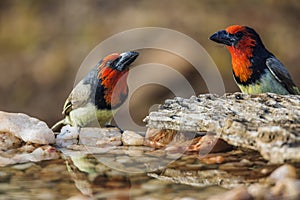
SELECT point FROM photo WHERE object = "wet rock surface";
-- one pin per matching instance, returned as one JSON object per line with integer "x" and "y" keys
{"x": 268, "y": 123}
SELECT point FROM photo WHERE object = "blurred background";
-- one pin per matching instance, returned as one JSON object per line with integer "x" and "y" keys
{"x": 43, "y": 43}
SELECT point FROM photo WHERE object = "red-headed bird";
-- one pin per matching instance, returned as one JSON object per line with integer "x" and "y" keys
{"x": 99, "y": 94}
{"x": 255, "y": 69}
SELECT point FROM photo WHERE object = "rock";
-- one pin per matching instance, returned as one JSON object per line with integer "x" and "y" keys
{"x": 17, "y": 134}
{"x": 239, "y": 193}
{"x": 208, "y": 144}
{"x": 26, "y": 128}
{"x": 68, "y": 136}
{"x": 259, "y": 191}
{"x": 157, "y": 138}
{"x": 28, "y": 154}
{"x": 100, "y": 136}
{"x": 131, "y": 138}
{"x": 287, "y": 188}
{"x": 282, "y": 172}
{"x": 268, "y": 123}
{"x": 88, "y": 137}
{"x": 200, "y": 178}
{"x": 9, "y": 141}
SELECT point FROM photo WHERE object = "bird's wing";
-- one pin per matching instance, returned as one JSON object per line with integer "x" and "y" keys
{"x": 82, "y": 92}
{"x": 281, "y": 74}
{"x": 79, "y": 96}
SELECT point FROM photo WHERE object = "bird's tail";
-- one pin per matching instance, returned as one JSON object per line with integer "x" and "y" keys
{"x": 58, "y": 125}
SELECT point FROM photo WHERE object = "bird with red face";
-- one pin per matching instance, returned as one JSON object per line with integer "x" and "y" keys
{"x": 96, "y": 98}
{"x": 255, "y": 69}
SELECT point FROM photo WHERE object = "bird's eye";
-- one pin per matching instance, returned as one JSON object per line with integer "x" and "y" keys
{"x": 239, "y": 34}
{"x": 108, "y": 62}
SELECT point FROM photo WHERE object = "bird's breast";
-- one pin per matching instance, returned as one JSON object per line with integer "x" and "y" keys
{"x": 241, "y": 64}
{"x": 266, "y": 83}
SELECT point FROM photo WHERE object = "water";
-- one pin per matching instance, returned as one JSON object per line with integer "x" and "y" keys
{"x": 132, "y": 173}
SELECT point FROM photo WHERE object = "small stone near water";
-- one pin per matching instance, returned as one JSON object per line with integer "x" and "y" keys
{"x": 287, "y": 188}
{"x": 259, "y": 191}
{"x": 100, "y": 136}
{"x": 131, "y": 138}
{"x": 282, "y": 172}
{"x": 88, "y": 136}
{"x": 27, "y": 128}
{"x": 239, "y": 193}
{"x": 68, "y": 136}
{"x": 22, "y": 156}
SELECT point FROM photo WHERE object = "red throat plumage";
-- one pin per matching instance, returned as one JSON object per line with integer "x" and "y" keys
{"x": 241, "y": 53}
{"x": 114, "y": 81}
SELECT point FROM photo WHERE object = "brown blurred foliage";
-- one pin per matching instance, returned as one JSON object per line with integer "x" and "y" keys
{"x": 42, "y": 43}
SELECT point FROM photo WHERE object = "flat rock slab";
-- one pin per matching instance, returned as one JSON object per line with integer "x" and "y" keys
{"x": 268, "y": 123}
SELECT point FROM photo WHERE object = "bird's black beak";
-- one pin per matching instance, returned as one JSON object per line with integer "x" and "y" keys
{"x": 125, "y": 60}
{"x": 223, "y": 37}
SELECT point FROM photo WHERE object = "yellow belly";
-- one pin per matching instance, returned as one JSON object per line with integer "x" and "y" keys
{"x": 89, "y": 116}
{"x": 267, "y": 83}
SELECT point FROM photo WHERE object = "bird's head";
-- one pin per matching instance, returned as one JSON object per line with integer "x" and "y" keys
{"x": 243, "y": 44}
{"x": 116, "y": 62}
{"x": 237, "y": 37}
{"x": 112, "y": 75}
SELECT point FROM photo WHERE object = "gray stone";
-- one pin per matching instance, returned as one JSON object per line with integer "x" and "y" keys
{"x": 268, "y": 123}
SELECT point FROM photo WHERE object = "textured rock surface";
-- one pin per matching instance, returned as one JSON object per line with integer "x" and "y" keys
{"x": 27, "y": 128}
{"x": 268, "y": 123}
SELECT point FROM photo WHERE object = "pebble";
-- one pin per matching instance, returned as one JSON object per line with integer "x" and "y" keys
{"x": 100, "y": 136}
{"x": 239, "y": 193}
{"x": 258, "y": 191}
{"x": 131, "y": 138}
{"x": 282, "y": 172}
{"x": 287, "y": 188}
